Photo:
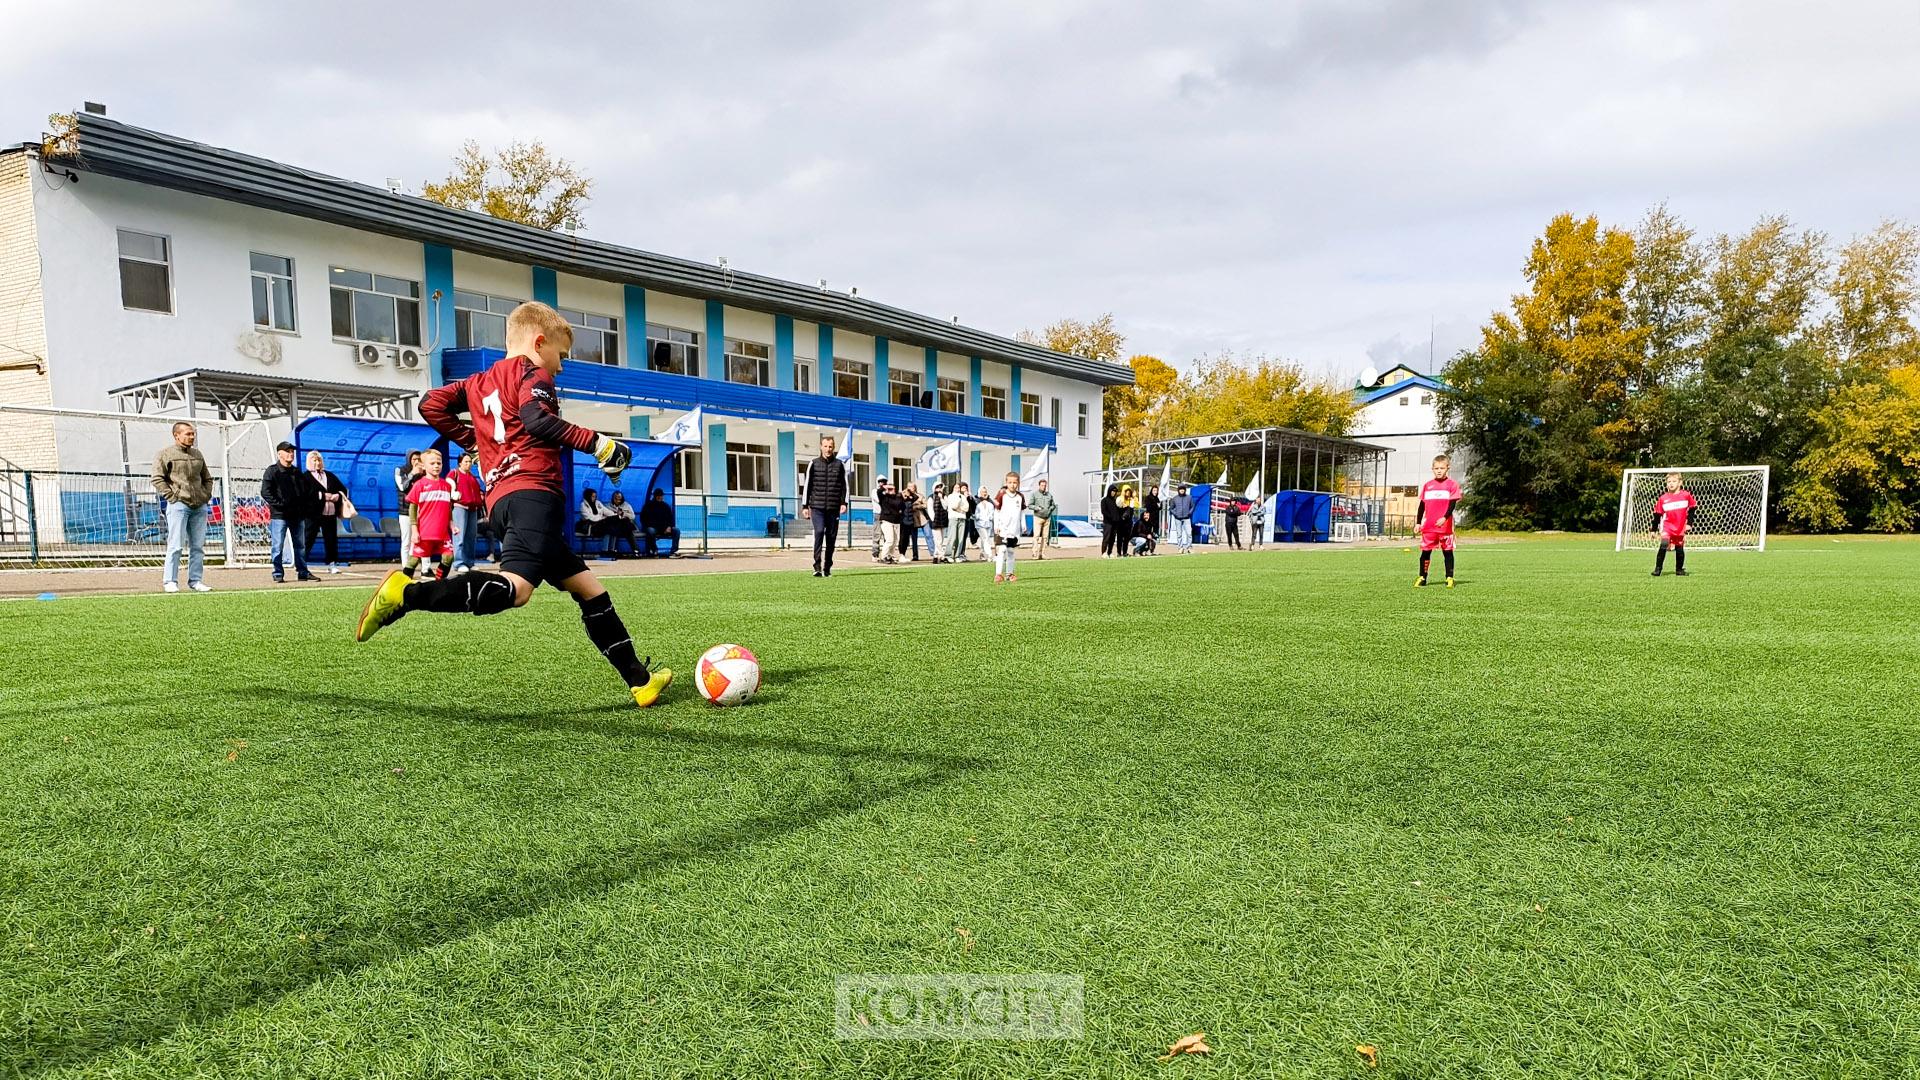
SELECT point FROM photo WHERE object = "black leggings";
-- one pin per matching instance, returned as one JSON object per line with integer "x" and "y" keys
{"x": 1109, "y": 536}
{"x": 329, "y": 528}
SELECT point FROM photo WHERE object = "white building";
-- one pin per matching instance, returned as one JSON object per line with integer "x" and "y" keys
{"x": 138, "y": 269}
{"x": 1400, "y": 408}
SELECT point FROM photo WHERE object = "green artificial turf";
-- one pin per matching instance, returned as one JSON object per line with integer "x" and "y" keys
{"x": 1564, "y": 820}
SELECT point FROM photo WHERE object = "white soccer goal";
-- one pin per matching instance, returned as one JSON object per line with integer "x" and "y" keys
{"x": 1729, "y": 513}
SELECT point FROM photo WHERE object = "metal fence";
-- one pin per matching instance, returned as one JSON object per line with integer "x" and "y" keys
{"x": 78, "y": 519}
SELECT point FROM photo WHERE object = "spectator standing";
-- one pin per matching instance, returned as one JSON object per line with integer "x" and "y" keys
{"x": 289, "y": 495}
{"x": 1181, "y": 509}
{"x": 656, "y": 522}
{"x": 912, "y": 520}
{"x": 468, "y": 500}
{"x": 1235, "y": 506}
{"x": 619, "y": 524}
{"x": 957, "y": 523}
{"x": 983, "y": 510}
{"x": 890, "y": 509}
{"x": 1129, "y": 505}
{"x": 937, "y": 519}
{"x": 1150, "y": 511}
{"x": 823, "y": 501}
{"x": 1256, "y": 521}
{"x": 1110, "y": 521}
{"x": 181, "y": 479}
{"x": 1043, "y": 506}
{"x": 325, "y": 512}
{"x": 404, "y": 477}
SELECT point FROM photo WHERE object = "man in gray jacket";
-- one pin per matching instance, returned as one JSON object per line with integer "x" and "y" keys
{"x": 1180, "y": 508}
{"x": 1043, "y": 506}
{"x": 180, "y": 476}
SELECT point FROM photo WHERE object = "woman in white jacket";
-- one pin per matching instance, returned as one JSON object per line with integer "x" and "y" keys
{"x": 983, "y": 524}
{"x": 1009, "y": 521}
{"x": 957, "y": 522}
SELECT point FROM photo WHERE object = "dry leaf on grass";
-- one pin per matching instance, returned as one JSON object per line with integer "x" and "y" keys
{"x": 966, "y": 938}
{"x": 1195, "y": 1043}
{"x": 238, "y": 745}
{"x": 1369, "y": 1055}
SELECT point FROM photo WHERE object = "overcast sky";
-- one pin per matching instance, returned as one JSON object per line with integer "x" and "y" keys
{"x": 1316, "y": 181}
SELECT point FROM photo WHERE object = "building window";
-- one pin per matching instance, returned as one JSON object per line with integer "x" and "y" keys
{"x": 673, "y": 350}
{"x": 480, "y": 321}
{"x": 953, "y": 395}
{"x": 374, "y": 307}
{"x": 1056, "y": 416}
{"x": 749, "y": 363}
{"x": 749, "y": 467}
{"x": 805, "y": 374}
{"x": 902, "y": 472}
{"x": 1426, "y": 399}
{"x": 903, "y": 387}
{"x": 272, "y": 291}
{"x": 852, "y": 379}
{"x": 689, "y": 470}
{"x": 596, "y": 338}
{"x": 1030, "y": 408}
{"x": 1082, "y": 408}
{"x": 146, "y": 272}
{"x": 862, "y": 474}
{"x": 993, "y": 402}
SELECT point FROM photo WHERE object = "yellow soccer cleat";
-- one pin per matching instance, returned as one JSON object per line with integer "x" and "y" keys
{"x": 385, "y": 605}
{"x": 1419, "y": 583}
{"x": 657, "y": 683}
{"x": 1449, "y": 583}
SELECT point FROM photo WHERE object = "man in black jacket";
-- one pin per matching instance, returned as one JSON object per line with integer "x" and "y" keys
{"x": 657, "y": 523}
{"x": 288, "y": 493}
{"x": 823, "y": 502}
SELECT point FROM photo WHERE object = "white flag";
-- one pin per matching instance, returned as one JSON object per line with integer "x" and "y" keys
{"x": 689, "y": 430}
{"x": 939, "y": 461}
{"x": 1253, "y": 490}
{"x": 1222, "y": 482}
{"x": 1040, "y": 469}
{"x": 846, "y": 448}
{"x": 1166, "y": 480}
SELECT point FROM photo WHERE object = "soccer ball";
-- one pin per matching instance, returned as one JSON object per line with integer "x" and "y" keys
{"x": 727, "y": 675}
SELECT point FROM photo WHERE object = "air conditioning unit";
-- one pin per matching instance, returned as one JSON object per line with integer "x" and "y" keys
{"x": 366, "y": 354}
{"x": 407, "y": 359}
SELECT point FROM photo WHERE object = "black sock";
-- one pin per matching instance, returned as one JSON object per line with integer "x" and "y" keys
{"x": 1679, "y": 559}
{"x": 477, "y": 593}
{"x": 609, "y": 635}
{"x": 1426, "y": 559}
{"x": 1447, "y": 556}
{"x": 1660, "y": 559}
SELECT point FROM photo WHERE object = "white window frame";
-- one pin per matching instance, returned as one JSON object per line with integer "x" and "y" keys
{"x": 291, "y": 277}
{"x": 902, "y": 472}
{"x": 1081, "y": 416}
{"x": 760, "y": 455}
{"x": 490, "y": 310}
{"x": 120, "y": 256}
{"x": 373, "y": 289}
{"x": 1035, "y": 399}
{"x": 688, "y": 351}
{"x": 956, "y": 388}
{"x": 1059, "y": 423}
{"x": 806, "y": 374}
{"x": 902, "y": 377}
{"x": 862, "y": 474}
{"x": 859, "y": 369}
{"x": 990, "y": 395}
{"x": 583, "y": 326}
{"x": 690, "y": 461}
{"x": 754, "y": 352}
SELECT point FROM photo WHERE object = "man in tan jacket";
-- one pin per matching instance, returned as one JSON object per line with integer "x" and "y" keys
{"x": 180, "y": 476}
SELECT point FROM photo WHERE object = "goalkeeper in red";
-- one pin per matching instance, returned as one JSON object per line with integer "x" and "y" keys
{"x": 1439, "y": 498}
{"x": 524, "y": 447}
{"x": 1672, "y": 512}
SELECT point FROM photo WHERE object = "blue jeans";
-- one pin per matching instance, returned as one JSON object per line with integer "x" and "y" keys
{"x": 464, "y": 535}
{"x": 186, "y": 529}
{"x": 284, "y": 532}
{"x": 1183, "y": 533}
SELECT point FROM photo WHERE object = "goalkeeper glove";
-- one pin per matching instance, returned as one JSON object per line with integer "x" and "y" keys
{"x": 613, "y": 456}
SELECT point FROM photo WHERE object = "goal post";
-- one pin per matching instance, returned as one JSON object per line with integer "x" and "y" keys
{"x": 1729, "y": 513}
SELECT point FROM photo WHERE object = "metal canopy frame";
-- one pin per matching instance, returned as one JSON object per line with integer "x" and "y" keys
{"x": 233, "y": 395}
{"x": 1323, "y": 463}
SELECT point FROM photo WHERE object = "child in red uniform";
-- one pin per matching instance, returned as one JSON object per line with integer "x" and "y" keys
{"x": 1671, "y": 513}
{"x": 524, "y": 448}
{"x": 1438, "y": 499}
{"x": 430, "y": 506}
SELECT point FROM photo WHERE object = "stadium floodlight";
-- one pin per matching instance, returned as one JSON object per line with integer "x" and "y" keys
{"x": 1730, "y": 511}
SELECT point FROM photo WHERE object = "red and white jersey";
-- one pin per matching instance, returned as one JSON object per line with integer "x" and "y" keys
{"x": 1672, "y": 508}
{"x": 1437, "y": 499}
{"x": 515, "y": 427}
{"x": 435, "y": 497}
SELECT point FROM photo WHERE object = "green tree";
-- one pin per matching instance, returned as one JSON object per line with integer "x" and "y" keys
{"x": 1497, "y": 395}
{"x": 1870, "y": 329}
{"x": 1863, "y": 469}
{"x": 1097, "y": 339}
{"x": 1133, "y": 416}
{"x": 1768, "y": 279}
{"x": 523, "y": 183}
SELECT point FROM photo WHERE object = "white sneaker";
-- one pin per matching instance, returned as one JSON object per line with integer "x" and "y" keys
{"x": 200, "y": 586}
{"x": 333, "y": 569}
{"x": 169, "y": 586}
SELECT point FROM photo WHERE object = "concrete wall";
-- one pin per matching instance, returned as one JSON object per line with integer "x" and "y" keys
{"x": 25, "y": 441}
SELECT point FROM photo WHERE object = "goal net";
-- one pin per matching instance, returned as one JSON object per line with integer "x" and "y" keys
{"x": 76, "y": 487}
{"x": 1729, "y": 513}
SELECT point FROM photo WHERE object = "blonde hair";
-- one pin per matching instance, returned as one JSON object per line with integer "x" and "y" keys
{"x": 534, "y": 317}
{"x": 1438, "y": 458}
{"x": 434, "y": 454}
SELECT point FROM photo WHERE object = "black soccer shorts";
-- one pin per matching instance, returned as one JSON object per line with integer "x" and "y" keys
{"x": 532, "y": 530}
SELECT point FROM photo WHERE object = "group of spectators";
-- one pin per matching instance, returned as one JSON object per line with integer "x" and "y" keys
{"x": 613, "y": 521}
{"x": 951, "y": 519}
{"x": 1130, "y": 524}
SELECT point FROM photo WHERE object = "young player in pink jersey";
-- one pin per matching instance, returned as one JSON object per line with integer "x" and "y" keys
{"x": 1672, "y": 512}
{"x": 1438, "y": 499}
{"x": 430, "y": 505}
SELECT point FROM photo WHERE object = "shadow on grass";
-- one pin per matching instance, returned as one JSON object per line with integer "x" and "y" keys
{"x": 361, "y": 940}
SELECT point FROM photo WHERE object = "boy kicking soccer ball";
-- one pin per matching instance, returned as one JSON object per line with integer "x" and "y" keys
{"x": 430, "y": 506}
{"x": 1009, "y": 518}
{"x": 1438, "y": 499}
{"x": 524, "y": 448}
{"x": 1671, "y": 512}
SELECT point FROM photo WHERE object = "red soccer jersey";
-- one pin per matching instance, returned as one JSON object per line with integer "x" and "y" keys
{"x": 434, "y": 496}
{"x": 1436, "y": 505}
{"x": 516, "y": 427}
{"x": 466, "y": 489}
{"x": 1672, "y": 509}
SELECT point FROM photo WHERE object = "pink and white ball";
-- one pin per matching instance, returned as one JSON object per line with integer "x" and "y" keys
{"x": 727, "y": 675}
